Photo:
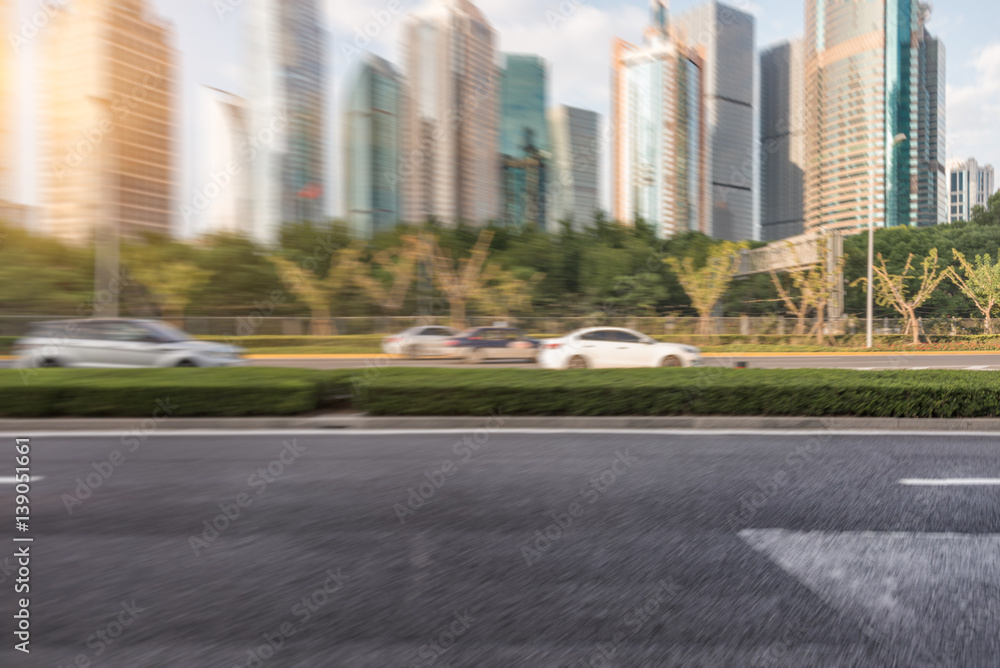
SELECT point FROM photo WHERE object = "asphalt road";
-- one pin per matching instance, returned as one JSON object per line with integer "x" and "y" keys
{"x": 901, "y": 361}
{"x": 528, "y": 549}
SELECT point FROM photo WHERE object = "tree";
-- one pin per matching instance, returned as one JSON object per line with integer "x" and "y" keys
{"x": 168, "y": 272}
{"x": 891, "y": 289}
{"x": 459, "y": 281}
{"x": 313, "y": 291}
{"x": 399, "y": 264}
{"x": 505, "y": 293}
{"x": 981, "y": 284}
{"x": 706, "y": 286}
{"x": 319, "y": 292}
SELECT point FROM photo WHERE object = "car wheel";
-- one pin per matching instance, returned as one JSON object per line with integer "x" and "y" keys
{"x": 186, "y": 363}
{"x": 670, "y": 361}
{"x": 414, "y": 351}
{"x": 577, "y": 362}
{"x": 49, "y": 363}
{"x": 476, "y": 356}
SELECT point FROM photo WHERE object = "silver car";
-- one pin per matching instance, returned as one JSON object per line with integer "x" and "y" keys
{"x": 419, "y": 341}
{"x": 118, "y": 343}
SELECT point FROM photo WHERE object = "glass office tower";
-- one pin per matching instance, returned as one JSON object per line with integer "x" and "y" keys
{"x": 371, "y": 141}
{"x": 576, "y": 166}
{"x": 782, "y": 140}
{"x": 659, "y": 174}
{"x": 871, "y": 106}
{"x": 524, "y": 139}
{"x": 725, "y": 39}
{"x": 108, "y": 63}
{"x": 449, "y": 169}
{"x": 287, "y": 113}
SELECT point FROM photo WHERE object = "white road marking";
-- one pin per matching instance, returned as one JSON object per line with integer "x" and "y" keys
{"x": 10, "y": 480}
{"x": 946, "y": 482}
{"x": 936, "y": 587}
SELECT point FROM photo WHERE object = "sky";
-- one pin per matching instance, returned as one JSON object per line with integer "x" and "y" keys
{"x": 573, "y": 35}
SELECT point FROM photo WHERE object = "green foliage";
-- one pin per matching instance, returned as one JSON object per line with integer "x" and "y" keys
{"x": 193, "y": 392}
{"x": 707, "y": 391}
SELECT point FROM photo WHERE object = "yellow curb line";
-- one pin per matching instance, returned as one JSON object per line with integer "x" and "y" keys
{"x": 322, "y": 356}
{"x": 882, "y": 354}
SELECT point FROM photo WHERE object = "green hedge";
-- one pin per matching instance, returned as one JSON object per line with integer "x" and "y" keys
{"x": 192, "y": 392}
{"x": 481, "y": 392}
{"x": 706, "y": 391}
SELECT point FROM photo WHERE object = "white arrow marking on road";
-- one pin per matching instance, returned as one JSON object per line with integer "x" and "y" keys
{"x": 939, "y": 588}
{"x": 10, "y": 480}
{"x": 943, "y": 482}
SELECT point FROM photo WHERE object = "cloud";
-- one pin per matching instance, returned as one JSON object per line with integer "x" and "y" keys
{"x": 973, "y": 110}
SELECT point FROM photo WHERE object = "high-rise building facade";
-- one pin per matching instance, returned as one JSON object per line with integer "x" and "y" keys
{"x": 288, "y": 114}
{"x": 227, "y": 127}
{"x": 874, "y": 105}
{"x": 658, "y": 169}
{"x": 109, "y": 119}
{"x": 8, "y": 107}
{"x": 525, "y": 150}
{"x": 574, "y": 189}
{"x": 972, "y": 185}
{"x": 726, "y": 39}
{"x": 371, "y": 143}
{"x": 932, "y": 172}
{"x": 449, "y": 168}
{"x": 782, "y": 140}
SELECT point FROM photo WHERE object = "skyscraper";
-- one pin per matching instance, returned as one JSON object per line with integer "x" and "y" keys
{"x": 874, "y": 106}
{"x": 524, "y": 140}
{"x": 576, "y": 166}
{"x": 657, "y": 106}
{"x": 8, "y": 107}
{"x": 227, "y": 126}
{"x": 288, "y": 114}
{"x": 449, "y": 168}
{"x": 932, "y": 172}
{"x": 109, "y": 119}
{"x": 972, "y": 185}
{"x": 371, "y": 142}
{"x": 725, "y": 38}
{"x": 782, "y": 138}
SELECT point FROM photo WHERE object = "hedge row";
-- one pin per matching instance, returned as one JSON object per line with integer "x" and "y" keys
{"x": 706, "y": 391}
{"x": 188, "y": 392}
{"x": 481, "y": 392}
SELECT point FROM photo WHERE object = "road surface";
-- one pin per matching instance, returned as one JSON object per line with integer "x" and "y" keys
{"x": 502, "y": 549}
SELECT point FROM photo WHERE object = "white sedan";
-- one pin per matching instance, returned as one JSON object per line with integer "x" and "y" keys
{"x": 419, "y": 341}
{"x": 613, "y": 348}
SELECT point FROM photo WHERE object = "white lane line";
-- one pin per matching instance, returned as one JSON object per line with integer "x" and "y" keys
{"x": 10, "y": 480}
{"x": 946, "y": 482}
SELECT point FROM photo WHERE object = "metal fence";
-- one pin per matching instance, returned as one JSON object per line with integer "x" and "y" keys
{"x": 767, "y": 326}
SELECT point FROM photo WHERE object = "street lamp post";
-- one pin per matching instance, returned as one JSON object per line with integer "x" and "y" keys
{"x": 869, "y": 325}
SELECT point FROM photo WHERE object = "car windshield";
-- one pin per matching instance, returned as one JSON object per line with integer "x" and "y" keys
{"x": 166, "y": 333}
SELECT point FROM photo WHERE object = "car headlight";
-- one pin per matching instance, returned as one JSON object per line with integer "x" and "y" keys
{"x": 691, "y": 349}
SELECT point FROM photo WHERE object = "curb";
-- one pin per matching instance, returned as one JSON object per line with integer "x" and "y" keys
{"x": 362, "y": 422}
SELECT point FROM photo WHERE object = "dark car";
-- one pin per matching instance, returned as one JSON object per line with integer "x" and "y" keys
{"x": 493, "y": 343}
